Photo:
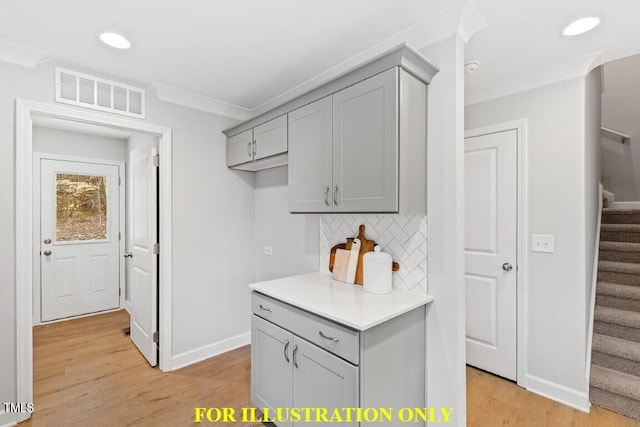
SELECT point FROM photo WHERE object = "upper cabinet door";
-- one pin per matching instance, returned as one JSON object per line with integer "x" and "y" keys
{"x": 365, "y": 145}
{"x": 270, "y": 138}
{"x": 240, "y": 148}
{"x": 310, "y": 140}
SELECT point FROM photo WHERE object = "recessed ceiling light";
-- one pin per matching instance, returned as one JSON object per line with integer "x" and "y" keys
{"x": 115, "y": 40}
{"x": 581, "y": 25}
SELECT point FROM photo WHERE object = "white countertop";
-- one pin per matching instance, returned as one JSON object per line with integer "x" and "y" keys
{"x": 341, "y": 302}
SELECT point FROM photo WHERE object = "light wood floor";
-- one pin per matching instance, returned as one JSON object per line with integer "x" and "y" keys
{"x": 87, "y": 373}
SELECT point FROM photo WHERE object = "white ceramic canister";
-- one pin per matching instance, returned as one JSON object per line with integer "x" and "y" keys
{"x": 377, "y": 272}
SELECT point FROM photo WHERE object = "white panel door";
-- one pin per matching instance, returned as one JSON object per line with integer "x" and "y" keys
{"x": 365, "y": 145}
{"x": 310, "y": 148}
{"x": 143, "y": 293}
{"x": 270, "y": 138}
{"x": 271, "y": 368}
{"x": 322, "y": 380}
{"x": 490, "y": 251}
{"x": 79, "y": 238}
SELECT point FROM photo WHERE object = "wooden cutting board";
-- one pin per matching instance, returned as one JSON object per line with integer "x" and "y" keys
{"x": 366, "y": 245}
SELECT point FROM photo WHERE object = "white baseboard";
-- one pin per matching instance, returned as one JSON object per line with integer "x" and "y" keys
{"x": 625, "y": 205}
{"x": 210, "y": 350}
{"x": 559, "y": 393}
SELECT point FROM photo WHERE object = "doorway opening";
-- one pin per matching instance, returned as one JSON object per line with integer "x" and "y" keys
{"x": 26, "y": 251}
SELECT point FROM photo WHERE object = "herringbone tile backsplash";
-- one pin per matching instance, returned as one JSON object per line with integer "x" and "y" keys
{"x": 403, "y": 236}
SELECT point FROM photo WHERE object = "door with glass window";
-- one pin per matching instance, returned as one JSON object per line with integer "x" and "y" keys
{"x": 79, "y": 246}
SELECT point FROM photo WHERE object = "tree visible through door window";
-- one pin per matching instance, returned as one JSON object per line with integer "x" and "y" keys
{"x": 81, "y": 207}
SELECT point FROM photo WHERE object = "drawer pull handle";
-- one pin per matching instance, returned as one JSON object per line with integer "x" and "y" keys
{"x": 295, "y": 356}
{"x": 265, "y": 308}
{"x": 334, "y": 339}
{"x": 286, "y": 352}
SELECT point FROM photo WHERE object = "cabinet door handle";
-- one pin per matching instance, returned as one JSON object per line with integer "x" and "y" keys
{"x": 286, "y": 351}
{"x": 334, "y": 339}
{"x": 249, "y": 149}
{"x": 335, "y": 196}
{"x": 255, "y": 148}
{"x": 295, "y": 356}
{"x": 265, "y": 308}
{"x": 326, "y": 195}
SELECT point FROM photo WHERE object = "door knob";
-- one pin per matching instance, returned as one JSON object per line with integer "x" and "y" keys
{"x": 129, "y": 255}
{"x": 507, "y": 266}
{"x": 47, "y": 253}
{"x": 47, "y": 241}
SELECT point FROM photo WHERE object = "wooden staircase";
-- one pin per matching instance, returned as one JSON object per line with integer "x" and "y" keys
{"x": 615, "y": 360}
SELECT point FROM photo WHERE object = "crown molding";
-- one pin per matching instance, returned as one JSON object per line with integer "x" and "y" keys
{"x": 576, "y": 67}
{"x": 199, "y": 102}
{"x": 22, "y": 55}
{"x": 461, "y": 17}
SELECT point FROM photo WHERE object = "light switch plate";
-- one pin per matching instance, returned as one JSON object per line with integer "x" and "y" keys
{"x": 268, "y": 250}
{"x": 542, "y": 243}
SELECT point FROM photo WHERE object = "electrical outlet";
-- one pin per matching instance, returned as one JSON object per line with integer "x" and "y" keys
{"x": 542, "y": 243}
{"x": 268, "y": 250}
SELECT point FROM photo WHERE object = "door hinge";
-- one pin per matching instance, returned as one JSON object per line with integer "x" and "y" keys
{"x": 119, "y": 292}
{"x": 119, "y": 181}
{"x": 156, "y": 336}
{"x": 119, "y": 235}
{"x": 156, "y": 248}
{"x": 156, "y": 160}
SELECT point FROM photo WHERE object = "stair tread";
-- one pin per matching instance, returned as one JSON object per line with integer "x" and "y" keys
{"x": 617, "y": 316}
{"x": 616, "y": 347}
{"x": 618, "y": 290}
{"x": 616, "y": 382}
{"x": 631, "y": 228}
{"x": 619, "y": 267}
{"x": 618, "y": 211}
{"x": 619, "y": 246}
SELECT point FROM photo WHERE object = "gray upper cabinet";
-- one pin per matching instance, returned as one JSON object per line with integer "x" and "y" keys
{"x": 354, "y": 144}
{"x": 351, "y": 161}
{"x": 261, "y": 147}
{"x": 365, "y": 145}
{"x": 310, "y": 170}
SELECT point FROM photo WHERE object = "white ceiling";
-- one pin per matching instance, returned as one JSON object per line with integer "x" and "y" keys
{"x": 526, "y": 36}
{"x": 247, "y": 52}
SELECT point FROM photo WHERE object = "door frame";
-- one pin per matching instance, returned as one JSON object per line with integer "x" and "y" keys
{"x": 25, "y": 111}
{"x": 520, "y": 126}
{"x": 37, "y": 279}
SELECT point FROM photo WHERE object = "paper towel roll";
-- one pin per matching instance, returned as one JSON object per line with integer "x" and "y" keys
{"x": 377, "y": 272}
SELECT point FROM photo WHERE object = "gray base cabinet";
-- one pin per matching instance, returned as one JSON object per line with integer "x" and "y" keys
{"x": 301, "y": 360}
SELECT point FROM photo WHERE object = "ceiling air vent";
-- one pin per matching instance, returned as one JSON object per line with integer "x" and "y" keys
{"x": 88, "y": 91}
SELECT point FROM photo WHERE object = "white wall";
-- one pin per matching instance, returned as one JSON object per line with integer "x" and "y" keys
{"x": 620, "y": 107}
{"x": 593, "y": 167}
{"x": 64, "y": 142}
{"x": 294, "y": 238}
{"x": 556, "y": 283}
{"x": 446, "y": 356}
{"x": 213, "y": 211}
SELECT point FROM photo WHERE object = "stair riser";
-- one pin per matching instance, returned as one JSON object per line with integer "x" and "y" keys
{"x": 608, "y": 218}
{"x": 616, "y": 403}
{"x": 619, "y": 236}
{"x": 614, "y": 362}
{"x": 621, "y": 278}
{"x": 617, "y": 331}
{"x": 620, "y": 303}
{"x": 619, "y": 256}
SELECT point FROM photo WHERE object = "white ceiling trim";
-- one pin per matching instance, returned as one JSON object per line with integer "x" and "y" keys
{"x": 572, "y": 68}
{"x": 22, "y": 55}
{"x": 426, "y": 32}
{"x": 199, "y": 102}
